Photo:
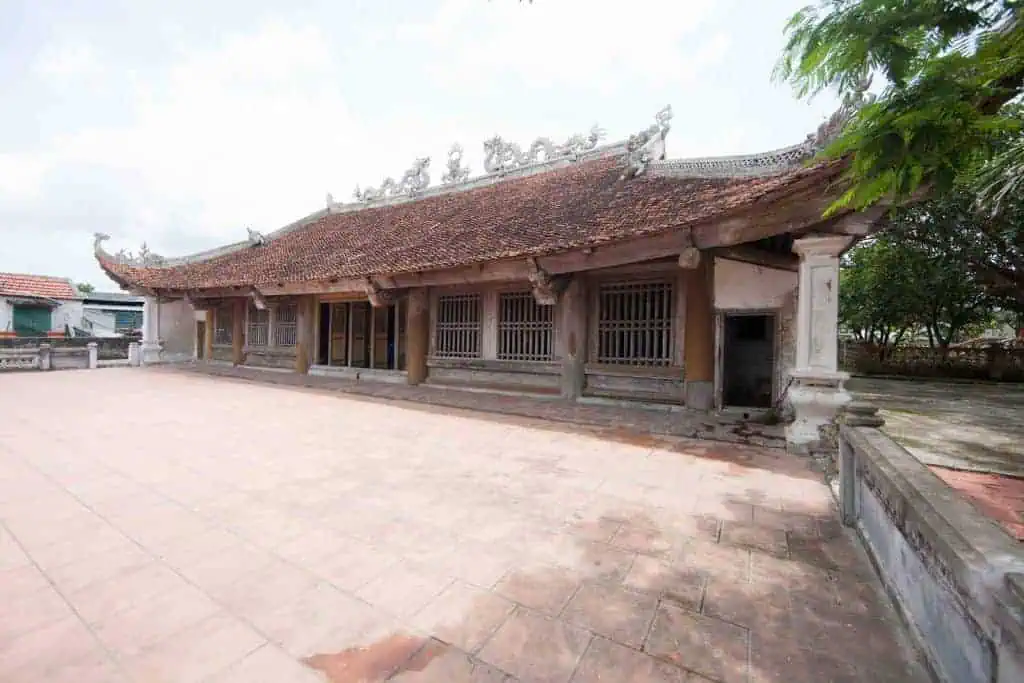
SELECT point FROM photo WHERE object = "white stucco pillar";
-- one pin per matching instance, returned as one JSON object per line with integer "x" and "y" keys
{"x": 150, "y": 331}
{"x": 817, "y": 391}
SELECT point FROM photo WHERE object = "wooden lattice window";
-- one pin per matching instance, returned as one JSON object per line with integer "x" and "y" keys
{"x": 525, "y": 328}
{"x": 458, "y": 326}
{"x": 223, "y": 325}
{"x": 258, "y": 330}
{"x": 635, "y": 324}
{"x": 286, "y": 325}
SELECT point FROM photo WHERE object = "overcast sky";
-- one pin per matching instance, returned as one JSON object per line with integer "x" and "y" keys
{"x": 182, "y": 123}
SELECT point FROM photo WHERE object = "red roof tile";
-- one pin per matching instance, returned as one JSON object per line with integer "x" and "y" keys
{"x": 586, "y": 204}
{"x": 15, "y": 284}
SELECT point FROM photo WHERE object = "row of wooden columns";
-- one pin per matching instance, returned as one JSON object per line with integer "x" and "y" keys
{"x": 698, "y": 349}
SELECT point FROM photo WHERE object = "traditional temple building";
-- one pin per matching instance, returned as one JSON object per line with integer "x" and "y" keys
{"x": 583, "y": 270}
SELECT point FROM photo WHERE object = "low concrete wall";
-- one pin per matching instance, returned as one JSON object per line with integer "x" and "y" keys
{"x": 949, "y": 569}
{"x": 50, "y": 357}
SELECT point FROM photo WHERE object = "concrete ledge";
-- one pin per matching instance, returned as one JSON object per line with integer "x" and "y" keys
{"x": 948, "y": 567}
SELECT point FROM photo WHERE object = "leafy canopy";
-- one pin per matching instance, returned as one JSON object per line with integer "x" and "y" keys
{"x": 949, "y": 68}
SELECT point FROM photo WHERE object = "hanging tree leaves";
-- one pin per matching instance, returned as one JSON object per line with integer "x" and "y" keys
{"x": 949, "y": 67}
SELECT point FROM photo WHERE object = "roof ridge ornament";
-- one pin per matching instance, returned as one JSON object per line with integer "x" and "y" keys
{"x": 144, "y": 259}
{"x": 456, "y": 173}
{"x": 256, "y": 238}
{"x": 851, "y": 104}
{"x": 413, "y": 181}
{"x": 649, "y": 144}
{"x": 501, "y": 156}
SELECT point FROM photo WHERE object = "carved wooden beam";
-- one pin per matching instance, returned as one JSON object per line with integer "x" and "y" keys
{"x": 797, "y": 213}
{"x": 860, "y": 223}
{"x": 378, "y": 297}
{"x": 759, "y": 257}
{"x": 258, "y": 299}
{"x": 546, "y": 288}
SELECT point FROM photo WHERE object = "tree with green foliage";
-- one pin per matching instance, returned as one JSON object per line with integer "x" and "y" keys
{"x": 989, "y": 247}
{"x": 85, "y": 288}
{"x": 892, "y": 289}
{"x": 950, "y": 69}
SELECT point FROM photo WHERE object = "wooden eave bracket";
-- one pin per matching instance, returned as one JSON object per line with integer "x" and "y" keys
{"x": 377, "y": 296}
{"x": 546, "y": 288}
{"x": 258, "y": 299}
{"x": 689, "y": 256}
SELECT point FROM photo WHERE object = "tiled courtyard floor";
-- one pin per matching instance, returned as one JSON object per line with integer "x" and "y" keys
{"x": 161, "y": 526}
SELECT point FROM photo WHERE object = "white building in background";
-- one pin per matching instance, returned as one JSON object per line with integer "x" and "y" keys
{"x": 45, "y": 306}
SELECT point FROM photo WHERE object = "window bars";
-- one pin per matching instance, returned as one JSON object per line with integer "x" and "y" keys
{"x": 223, "y": 323}
{"x": 257, "y": 332}
{"x": 457, "y": 330}
{"x": 634, "y": 325}
{"x": 286, "y": 325}
{"x": 525, "y": 328}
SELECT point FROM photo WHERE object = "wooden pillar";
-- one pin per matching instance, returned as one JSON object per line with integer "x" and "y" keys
{"x": 572, "y": 337}
{"x": 208, "y": 339}
{"x": 304, "y": 334}
{"x": 238, "y": 331}
{"x": 417, "y": 329}
{"x": 699, "y": 335}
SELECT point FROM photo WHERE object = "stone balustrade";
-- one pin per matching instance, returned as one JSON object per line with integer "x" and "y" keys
{"x": 50, "y": 357}
{"x": 957, "y": 577}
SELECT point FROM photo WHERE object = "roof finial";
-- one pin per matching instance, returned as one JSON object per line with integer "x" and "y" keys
{"x": 456, "y": 172}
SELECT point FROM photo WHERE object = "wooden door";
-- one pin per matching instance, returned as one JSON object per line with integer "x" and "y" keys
{"x": 360, "y": 327}
{"x": 200, "y": 339}
{"x": 339, "y": 334}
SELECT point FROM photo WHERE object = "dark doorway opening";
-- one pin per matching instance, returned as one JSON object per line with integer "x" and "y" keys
{"x": 323, "y": 343}
{"x": 748, "y": 360}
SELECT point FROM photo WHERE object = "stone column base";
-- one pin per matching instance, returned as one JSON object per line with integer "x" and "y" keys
{"x": 150, "y": 352}
{"x": 699, "y": 395}
{"x": 817, "y": 396}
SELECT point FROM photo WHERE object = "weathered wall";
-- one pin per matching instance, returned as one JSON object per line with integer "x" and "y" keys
{"x": 176, "y": 328}
{"x": 270, "y": 357}
{"x": 944, "y": 563}
{"x": 68, "y": 313}
{"x": 6, "y": 323}
{"x": 494, "y": 374}
{"x": 743, "y": 286}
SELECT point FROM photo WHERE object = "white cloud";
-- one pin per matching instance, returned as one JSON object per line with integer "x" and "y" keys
{"x": 21, "y": 175}
{"x": 63, "y": 62}
{"x": 604, "y": 46}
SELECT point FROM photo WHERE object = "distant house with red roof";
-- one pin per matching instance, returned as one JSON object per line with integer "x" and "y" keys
{"x": 37, "y": 305}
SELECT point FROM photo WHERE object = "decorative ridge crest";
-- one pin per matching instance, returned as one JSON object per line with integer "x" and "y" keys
{"x": 777, "y": 160}
{"x": 501, "y": 156}
{"x": 143, "y": 259}
{"x": 412, "y": 182}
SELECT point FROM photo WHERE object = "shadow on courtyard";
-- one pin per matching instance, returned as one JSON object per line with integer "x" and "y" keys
{"x": 715, "y": 598}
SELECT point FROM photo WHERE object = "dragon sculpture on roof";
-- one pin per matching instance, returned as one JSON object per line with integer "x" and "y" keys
{"x": 502, "y": 156}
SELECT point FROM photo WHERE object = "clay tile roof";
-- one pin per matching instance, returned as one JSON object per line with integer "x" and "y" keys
{"x": 15, "y": 284}
{"x": 586, "y": 204}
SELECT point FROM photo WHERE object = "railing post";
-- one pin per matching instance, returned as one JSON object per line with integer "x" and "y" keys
{"x": 93, "y": 355}
{"x": 134, "y": 357}
{"x": 855, "y": 414}
{"x": 45, "y": 362}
